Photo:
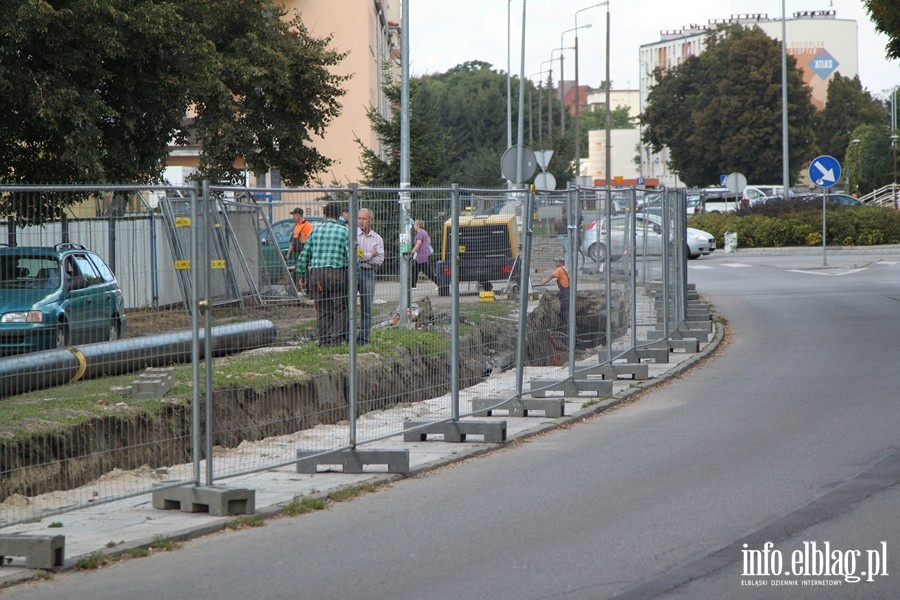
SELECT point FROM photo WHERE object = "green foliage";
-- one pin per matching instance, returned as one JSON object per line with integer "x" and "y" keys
{"x": 96, "y": 91}
{"x": 245, "y": 522}
{"x": 457, "y": 129}
{"x": 886, "y": 16}
{"x": 720, "y": 111}
{"x": 785, "y": 224}
{"x": 301, "y": 506}
{"x": 95, "y": 560}
{"x": 848, "y": 107}
{"x": 869, "y": 166}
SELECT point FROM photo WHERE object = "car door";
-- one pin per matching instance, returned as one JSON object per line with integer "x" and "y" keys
{"x": 84, "y": 306}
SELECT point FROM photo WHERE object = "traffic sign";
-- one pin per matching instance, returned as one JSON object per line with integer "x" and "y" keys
{"x": 825, "y": 171}
{"x": 722, "y": 180}
{"x": 509, "y": 163}
{"x": 545, "y": 182}
{"x": 735, "y": 183}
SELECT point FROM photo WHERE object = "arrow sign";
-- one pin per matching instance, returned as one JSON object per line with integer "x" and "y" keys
{"x": 825, "y": 171}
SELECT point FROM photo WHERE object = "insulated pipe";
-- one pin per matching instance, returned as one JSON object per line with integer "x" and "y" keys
{"x": 41, "y": 370}
{"x": 38, "y": 370}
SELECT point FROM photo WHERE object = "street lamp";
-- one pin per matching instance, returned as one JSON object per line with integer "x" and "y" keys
{"x": 856, "y": 175}
{"x": 550, "y": 89}
{"x": 894, "y": 139}
{"x": 562, "y": 78}
{"x": 578, "y": 91}
{"x": 508, "y": 82}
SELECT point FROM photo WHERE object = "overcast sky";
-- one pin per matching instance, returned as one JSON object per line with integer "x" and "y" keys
{"x": 445, "y": 33}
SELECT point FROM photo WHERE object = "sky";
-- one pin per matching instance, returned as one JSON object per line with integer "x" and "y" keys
{"x": 446, "y": 33}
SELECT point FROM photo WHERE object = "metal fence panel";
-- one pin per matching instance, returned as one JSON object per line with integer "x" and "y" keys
{"x": 261, "y": 394}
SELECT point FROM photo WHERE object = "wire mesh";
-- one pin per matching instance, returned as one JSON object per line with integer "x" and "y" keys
{"x": 96, "y": 421}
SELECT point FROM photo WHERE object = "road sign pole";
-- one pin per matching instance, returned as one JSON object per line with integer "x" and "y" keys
{"x": 824, "y": 171}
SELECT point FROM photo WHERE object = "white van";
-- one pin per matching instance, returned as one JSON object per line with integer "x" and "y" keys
{"x": 757, "y": 194}
{"x": 719, "y": 199}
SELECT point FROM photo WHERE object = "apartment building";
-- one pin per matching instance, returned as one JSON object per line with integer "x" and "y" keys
{"x": 821, "y": 43}
{"x": 369, "y": 30}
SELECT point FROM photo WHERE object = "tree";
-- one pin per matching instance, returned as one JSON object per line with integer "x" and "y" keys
{"x": 886, "y": 16}
{"x": 457, "y": 130}
{"x": 429, "y": 144}
{"x": 869, "y": 166}
{"x": 96, "y": 90}
{"x": 720, "y": 111}
{"x": 848, "y": 106}
{"x": 269, "y": 91}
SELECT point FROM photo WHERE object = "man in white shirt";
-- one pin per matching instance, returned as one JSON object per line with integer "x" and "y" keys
{"x": 370, "y": 248}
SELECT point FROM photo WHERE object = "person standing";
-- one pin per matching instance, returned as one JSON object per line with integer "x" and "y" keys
{"x": 421, "y": 253}
{"x": 370, "y": 248}
{"x": 561, "y": 274}
{"x": 324, "y": 260}
{"x": 302, "y": 229}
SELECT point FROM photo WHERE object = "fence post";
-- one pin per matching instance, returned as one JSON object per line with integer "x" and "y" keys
{"x": 454, "y": 302}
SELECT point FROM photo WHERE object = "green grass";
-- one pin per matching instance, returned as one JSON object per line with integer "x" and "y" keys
{"x": 245, "y": 521}
{"x": 351, "y": 492}
{"x": 95, "y": 560}
{"x": 301, "y": 506}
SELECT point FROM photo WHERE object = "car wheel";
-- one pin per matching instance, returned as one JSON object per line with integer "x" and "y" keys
{"x": 597, "y": 252}
{"x": 113, "y": 334}
{"x": 62, "y": 335}
{"x": 687, "y": 250}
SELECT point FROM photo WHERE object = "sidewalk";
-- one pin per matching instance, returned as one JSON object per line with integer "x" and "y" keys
{"x": 116, "y": 527}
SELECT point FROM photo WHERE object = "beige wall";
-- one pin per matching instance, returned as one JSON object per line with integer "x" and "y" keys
{"x": 357, "y": 28}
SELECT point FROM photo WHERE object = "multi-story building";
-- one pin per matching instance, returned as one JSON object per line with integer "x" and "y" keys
{"x": 370, "y": 32}
{"x": 821, "y": 43}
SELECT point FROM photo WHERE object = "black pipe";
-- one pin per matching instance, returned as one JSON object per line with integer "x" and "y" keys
{"x": 40, "y": 370}
{"x": 36, "y": 371}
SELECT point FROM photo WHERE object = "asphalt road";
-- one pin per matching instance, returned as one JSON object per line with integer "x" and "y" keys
{"x": 788, "y": 435}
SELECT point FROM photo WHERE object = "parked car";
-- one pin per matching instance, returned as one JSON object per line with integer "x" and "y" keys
{"x": 649, "y": 238}
{"x": 282, "y": 230}
{"x": 56, "y": 297}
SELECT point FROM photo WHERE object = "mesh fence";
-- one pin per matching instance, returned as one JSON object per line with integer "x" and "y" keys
{"x": 248, "y": 374}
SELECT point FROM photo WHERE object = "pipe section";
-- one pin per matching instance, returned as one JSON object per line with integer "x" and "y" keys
{"x": 41, "y": 370}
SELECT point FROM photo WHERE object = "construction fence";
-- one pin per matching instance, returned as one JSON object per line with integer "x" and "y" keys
{"x": 243, "y": 389}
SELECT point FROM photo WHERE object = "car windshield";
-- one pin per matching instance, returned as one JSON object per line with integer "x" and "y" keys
{"x": 29, "y": 271}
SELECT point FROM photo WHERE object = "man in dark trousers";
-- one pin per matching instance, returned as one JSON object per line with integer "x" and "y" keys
{"x": 325, "y": 259}
{"x": 561, "y": 275}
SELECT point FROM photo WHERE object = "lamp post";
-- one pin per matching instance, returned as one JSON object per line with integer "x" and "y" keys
{"x": 856, "y": 174}
{"x": 894, "y": 139}
{"x": 508, "y": 82}
{"x": 578, "y": 91}
{"x": 550, "y": 90}
{"x": 562, "y": 78}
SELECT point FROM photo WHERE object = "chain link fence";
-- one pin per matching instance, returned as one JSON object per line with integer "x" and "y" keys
{"x": 245, "y": 382}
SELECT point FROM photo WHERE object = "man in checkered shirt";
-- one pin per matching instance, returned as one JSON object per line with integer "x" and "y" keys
{"x": 324, "y": 262}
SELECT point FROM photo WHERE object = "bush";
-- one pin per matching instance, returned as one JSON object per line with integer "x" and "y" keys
{"x": 797, "y": 223}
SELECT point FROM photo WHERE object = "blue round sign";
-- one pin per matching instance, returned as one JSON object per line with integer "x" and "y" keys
{"x": 825, "y": 171}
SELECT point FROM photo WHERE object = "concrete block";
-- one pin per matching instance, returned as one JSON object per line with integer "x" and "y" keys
{"x": 571, "y": 388}
{"x": 657, "y": 355}
{"x": 456, "y": 431}
{"x": 354, "y": 461}
{"x": 636, "y": 370}
{"x": 219, "y": 501}
{"x": 551, "y": 407}
{"x": 153, "y": 383}
{"x": 40, "y": 551}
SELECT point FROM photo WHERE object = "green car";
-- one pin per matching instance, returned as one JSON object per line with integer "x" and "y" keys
{"x": 56, "y": 297}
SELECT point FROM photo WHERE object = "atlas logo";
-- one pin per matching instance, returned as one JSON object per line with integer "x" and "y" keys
{"x": 823, "y": 64}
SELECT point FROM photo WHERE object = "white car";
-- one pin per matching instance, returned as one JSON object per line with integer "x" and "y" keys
{"x": 648, "y": 236}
